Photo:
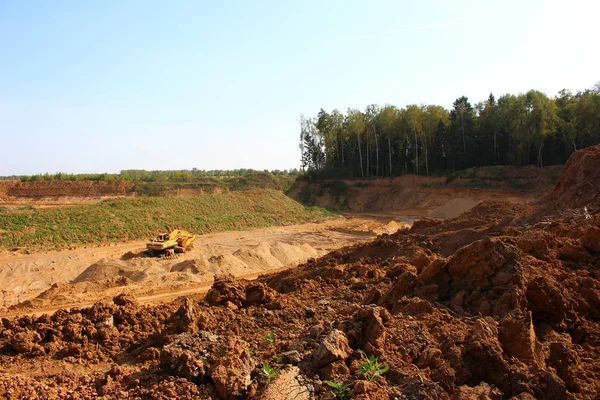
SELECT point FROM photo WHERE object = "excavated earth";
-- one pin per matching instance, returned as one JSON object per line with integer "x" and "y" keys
{"x": 500, "y": 302}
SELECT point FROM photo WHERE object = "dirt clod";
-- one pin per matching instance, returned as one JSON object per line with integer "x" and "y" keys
{"x": 333, "y": 347}
{"x": 224, "y": 360}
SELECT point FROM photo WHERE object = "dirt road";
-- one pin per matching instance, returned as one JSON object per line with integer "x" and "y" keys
{"x": 45, "y": 282}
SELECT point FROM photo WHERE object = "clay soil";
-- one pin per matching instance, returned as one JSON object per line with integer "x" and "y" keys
{"x": 420, "y": 196}
{"x": 500, "y": 302}
{"x": 60, "y": 193}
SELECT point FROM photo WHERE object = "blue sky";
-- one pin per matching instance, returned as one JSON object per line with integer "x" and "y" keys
{"x": 100, "y": 86}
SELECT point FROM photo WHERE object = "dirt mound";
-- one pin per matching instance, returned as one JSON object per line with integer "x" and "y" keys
{"x": 453, "y": 208}
{"x": 579, "y": 183}
{"x": 194, "y": 266}
{"x": 106, "y": 269}
{"x": 288, "y": 254}
{"x": 389, "y": 228}
{"x": 259, "y": 257}
{"x": 234, "y": 292}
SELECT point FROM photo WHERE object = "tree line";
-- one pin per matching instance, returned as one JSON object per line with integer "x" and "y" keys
{"x": 523, "y": 129}
{"x": 141, "y": 175}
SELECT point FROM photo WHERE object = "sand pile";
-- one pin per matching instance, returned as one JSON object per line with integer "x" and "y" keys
{"x": 140, "y": 273}
{"x": 390, "y": 227}
{"x": 288, "y": 254}
{"x": 453, "y": 208}
{"x": 106, "y": 269}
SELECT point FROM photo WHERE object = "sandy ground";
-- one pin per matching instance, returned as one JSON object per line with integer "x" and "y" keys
{"x": 49, "y": 281}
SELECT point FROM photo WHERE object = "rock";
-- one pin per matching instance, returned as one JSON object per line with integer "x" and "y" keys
{"x": 333, "y": 370}
{"x": 109, "y": 322}
{"x": 575, "y": 252}
{"x": 226, "y": 288}
{"x": 235, "y": 293}
{"x": 471, "y": 265}
{"x": 184, "y": 320}
{"x": 291, "y": 357}
{"x": 405, "y": 284}
{"x": 415, "y": 306}
{"x": 429, "y": 358}
{"x": 484, "y": 355}
{"x": 483, "y": 391}
{"x": 124, "y": 300}
{"x": 259, "y": 293}
{"x": 428, "y": 292}
{"x": 518, "y": 338}
{"x": 544, "y": 295}
{"x": 458, "y": 301}
{"x": 25, "y": 342}
{"x": 591, "y": 239}
{"x": 373, "y": 319}
{"x": 72, "y": 331}
{"x": 366, "y": 390}
{"x": 420, "y": 260}
{"x": 285, "y": 386}
{"x": 333, "y": 347}
{"x": 565, "y": 362}
{"x": 225, "y": 360}
{"x": 436, "y": 273}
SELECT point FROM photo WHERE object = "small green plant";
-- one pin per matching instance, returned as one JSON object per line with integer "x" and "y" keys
{"x": 340, "y": 390}
{"x": 269, "y": 337}
{"x": 251, "y": 350}
{"x": 278, "y": 358}
{"x": 371, "y": 369}
{"x": 270, "y": 372}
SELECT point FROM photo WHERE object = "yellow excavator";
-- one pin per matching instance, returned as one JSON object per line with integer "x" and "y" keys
{"x": 167, "y": 244}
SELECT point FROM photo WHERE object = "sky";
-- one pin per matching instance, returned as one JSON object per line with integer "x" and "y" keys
{"x": 101, "y": 86}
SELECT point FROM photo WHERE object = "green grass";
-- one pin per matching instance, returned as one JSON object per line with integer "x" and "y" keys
{"x": 211, "y": 184}
{"x": 126, "y": 219}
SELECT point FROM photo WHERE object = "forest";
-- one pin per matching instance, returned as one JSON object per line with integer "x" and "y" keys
{"x": 527, "y": 128}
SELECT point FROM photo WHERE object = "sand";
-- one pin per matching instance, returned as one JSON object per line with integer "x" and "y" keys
{"x": 81, "y": 276}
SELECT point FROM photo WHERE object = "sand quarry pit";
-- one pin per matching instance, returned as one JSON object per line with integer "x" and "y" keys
{"x": 502, "y": 302}
{"x": 49, "y": 281}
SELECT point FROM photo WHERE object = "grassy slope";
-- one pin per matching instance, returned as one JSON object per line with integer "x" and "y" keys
{"x": 140, "y": 218}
